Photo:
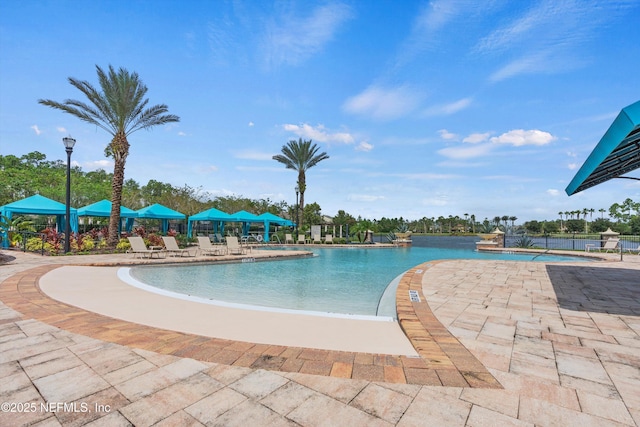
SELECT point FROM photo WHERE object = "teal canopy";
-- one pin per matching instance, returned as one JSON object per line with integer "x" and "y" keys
{"x": 40, "y": 205}
{"x": 617, "y": 153}
{"x": 246, "y": 219}
{"x": 158, "y": 211}
{"x": 268, "y": 218}
{"x": 103, "y": 209}
{"x": 216, "y": 216}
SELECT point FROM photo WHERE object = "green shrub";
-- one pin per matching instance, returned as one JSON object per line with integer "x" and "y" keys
{"x": 34, "y": 244}
{"x": 123, "y": 245}
{"x": 87, "y": 244}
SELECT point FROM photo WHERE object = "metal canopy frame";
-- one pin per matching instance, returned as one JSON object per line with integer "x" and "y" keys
{"x": 617, "y": 153}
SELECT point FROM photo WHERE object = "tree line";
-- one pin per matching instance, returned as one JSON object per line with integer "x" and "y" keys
{"x": 32, "y": 174}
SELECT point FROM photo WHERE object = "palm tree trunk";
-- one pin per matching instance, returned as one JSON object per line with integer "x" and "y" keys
{"x": 302, "y": 186}
{"x": 120, "y": 150}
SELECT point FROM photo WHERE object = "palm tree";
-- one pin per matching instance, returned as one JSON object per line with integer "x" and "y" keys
{"x": 300, "y": 155}
{"x": 120, "y": 109}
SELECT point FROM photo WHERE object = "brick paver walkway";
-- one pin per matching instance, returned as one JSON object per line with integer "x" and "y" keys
{"x": 562, "y": 341}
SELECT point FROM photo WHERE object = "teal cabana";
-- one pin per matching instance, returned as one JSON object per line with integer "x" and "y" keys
{"x": 246, "y": 219}
{"x": 163, "y": 213}
{"x": 103, "y": 209}
{"x": 214, "y": 215}
{"x": 40, "y": 205}
{"x": 617, "y": 153}
{"x": 268, "y": 218}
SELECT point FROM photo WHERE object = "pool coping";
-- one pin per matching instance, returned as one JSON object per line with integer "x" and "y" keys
{"x": 443, "y": 360}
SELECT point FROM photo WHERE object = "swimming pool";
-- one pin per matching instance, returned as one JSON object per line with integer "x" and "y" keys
{"x": 336, "y": 280}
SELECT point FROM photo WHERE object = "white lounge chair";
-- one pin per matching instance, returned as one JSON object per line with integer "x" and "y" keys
{"x": 610, "y": 245}
{"x": 316, "y": 238}
{"x": 636, "y": 250}
{"x": 301, "y": 239}
{"x": 207, "y": 248}
{"x": 233, "y": 247}
{"x": 171, "y": 245}
{"x": 288, "y": 238}
{"x": 328, "y": 238}
{"x": 139, "y": 248}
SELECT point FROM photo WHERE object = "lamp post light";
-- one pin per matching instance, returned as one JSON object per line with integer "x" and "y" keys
{"x": 297, "y": 212}
{"x": 68, "y": 146}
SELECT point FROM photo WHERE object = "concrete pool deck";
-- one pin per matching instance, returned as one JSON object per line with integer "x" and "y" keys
{"x": 562, "y": 341}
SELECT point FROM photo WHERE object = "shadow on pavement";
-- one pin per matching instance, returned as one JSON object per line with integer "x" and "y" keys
{"x": 604, "y": 290}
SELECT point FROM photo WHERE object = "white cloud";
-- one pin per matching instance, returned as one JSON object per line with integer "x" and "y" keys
{"x": 36, "y": 129}
{"x": 553, "y": 192}
{"x": 61, "y": 129}
{"x": 572, "y": 166}
{"x": 475, "y": 138}
{"x": 383, "y": 103}
{"x": 466, "y": 152}
{"x": 319, "y": 133}
{"x": 182, "y": 133}
{"x": 448, "y": 109}
{"x": 104, "y": 164}
{"x": 364, "y": 198}
{"x": 364, "y": 146}
{"x": 529, "y": 64}
{"x": 445, "y": 134}
{"x": 520, "y": 137}
{"x": 298, "y": 38}
{"x": 435, "y": 201}
{"x": 251, "y": 124}
{"x": 252, "y": 155}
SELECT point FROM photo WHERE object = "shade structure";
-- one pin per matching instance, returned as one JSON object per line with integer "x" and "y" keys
{"x": 216, "y": 216}
{"x": 617, "y": 153}
{"x": 158, "y": 211}
{"x": 40, "y": 205}
{"x": 103, "y": 209}
{"x": 268, "y": 218}
{"x": 246, "y": 219}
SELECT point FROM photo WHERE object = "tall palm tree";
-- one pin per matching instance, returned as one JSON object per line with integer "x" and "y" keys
{"x": 118, "y": 106}
{"x": 300, "y": 155}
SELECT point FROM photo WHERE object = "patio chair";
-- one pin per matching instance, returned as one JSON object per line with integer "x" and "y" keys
{"x": 301, "y": 239}
{"x": 233, "y": 247}
{"x": 139, "y": 248}
{"x": 636, "y": 250}
{"x": 288, "y": 238}
{"x": 207, "y": 248}
{"x": 610, "y": 245}
{"x": 172, "y": 247}
{"x": 316, "y": 238}
{"x": 328, "y": 238}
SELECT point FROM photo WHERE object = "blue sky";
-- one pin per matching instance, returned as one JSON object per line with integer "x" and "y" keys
{"x": 425, "y": 108}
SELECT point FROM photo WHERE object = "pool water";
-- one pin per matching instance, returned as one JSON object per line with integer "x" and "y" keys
{"x": 337, "y": 280}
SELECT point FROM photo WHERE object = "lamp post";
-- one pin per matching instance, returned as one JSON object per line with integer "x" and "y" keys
{"x": 297, "y": 212}
{"x": 68, "y": 146}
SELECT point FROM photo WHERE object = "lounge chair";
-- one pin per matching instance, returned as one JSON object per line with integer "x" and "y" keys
{"x": 316, "y": 238}
{"x": 207, "y": 248}
{"x": 218, "y": 238}
{"x": 172, "y": 247}
{"x": 233, "y": 247}
{"x": 636, "y": 250}
{"x": 288, "y": 238}
{"x": 139, "y": 248}
{"x": 301, "y": 239}
{"x": 328, "y": 238}
{"x": 610, "y": 245}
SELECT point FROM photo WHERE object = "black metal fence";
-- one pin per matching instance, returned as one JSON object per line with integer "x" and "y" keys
{"x": 574, "y": 242}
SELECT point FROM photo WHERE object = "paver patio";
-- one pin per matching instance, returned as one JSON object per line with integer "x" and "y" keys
{"x": 562, "y": 342}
